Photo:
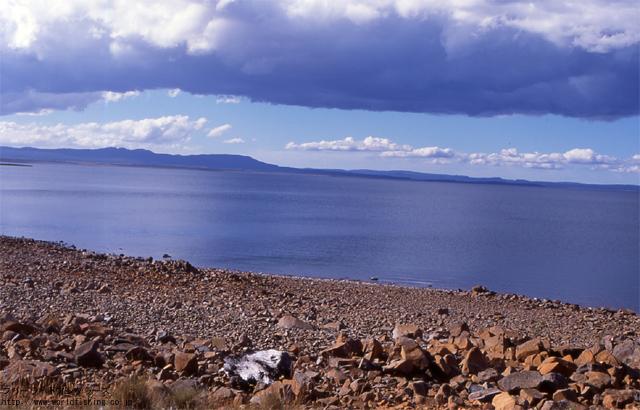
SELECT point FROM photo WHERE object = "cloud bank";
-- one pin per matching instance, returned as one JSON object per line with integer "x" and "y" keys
{"x": 171, "y": 133}
{"x": 479, "y": 58}
{"x": 386, "y": 148}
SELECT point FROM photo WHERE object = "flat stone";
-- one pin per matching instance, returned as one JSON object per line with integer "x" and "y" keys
{"x": 292, "y": 322}
{"x": 528, "y": 379}
{"x": 407, "y": 330}
{"x": 488, "y": 375}
{"x": 484, "y": 395}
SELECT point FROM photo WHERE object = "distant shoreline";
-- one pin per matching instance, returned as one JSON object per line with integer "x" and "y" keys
{"x": 228, "y": 162}
{"x": 12, "y": 164}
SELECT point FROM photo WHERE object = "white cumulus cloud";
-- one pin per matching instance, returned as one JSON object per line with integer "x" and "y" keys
{"x": 348, "y": 144}
{"x": 386, "y": 148}
{"x": 111, "y": 96}
{"x": 218, "y": 131}
{"x": 173, "y": 92}
{"x": 236, "y": 140}
{"x": 165, "y": 133}
{"x": 228, "y": 99}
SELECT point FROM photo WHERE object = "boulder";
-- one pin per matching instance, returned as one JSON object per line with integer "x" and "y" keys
{"x": 344, "y": 346}
{"x": 531, "y": 396}
{"x": 87, "y": 355}
{"x": 186, "y": 363}
{"x": 552, "y": 382}
{"x": 528, "y": 379}
{"x": 598, "y": 380}
{"x": 222, "y": 395}
{"x": 456, "y": 329}
{"x": 529, "y": 348}
{"x": 557, "y": 365}
{"x": 27, "y": 371}
{"x": 411, "y": 352}
{"x": 585, "y": 357}
{"x": 565, "y": 394}
{"x": 277, "y": 395}
{"x": 612, "y": 399}
{"x": 504, "y": 401}
{"x": 489, "y": 375}
{"x": 399, "y": 366}
{"x": 260, "y": 367}
{"x": 628, "y": 352}
{"x": 407, "y": 330}
{"x": 373, "y": 349}
{"x": 474, "y": 361}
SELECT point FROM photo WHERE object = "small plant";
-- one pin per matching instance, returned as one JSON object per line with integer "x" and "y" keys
{"x": 184, "y": 398}
{"x": 132, "y": 393}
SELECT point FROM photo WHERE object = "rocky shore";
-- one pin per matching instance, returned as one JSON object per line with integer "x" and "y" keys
{"x": 79, "y": 327}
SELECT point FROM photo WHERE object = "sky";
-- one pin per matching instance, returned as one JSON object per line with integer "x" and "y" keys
{"x": 542, "y": 90}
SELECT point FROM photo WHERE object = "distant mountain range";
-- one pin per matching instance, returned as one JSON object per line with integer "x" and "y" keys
{"x": 146, "y": 158}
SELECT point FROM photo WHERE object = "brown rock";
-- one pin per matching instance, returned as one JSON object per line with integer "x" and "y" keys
{"x": 27, "y": 371}
{"x": 278, "y": 394}
{"x": 186, "y": 363}
{"x": 612, "y": 399}
{"x": 607, "y": 357}
{"x": 87, "y": 355}
{"x": 223, "y": 395}
{"x": 412, "y": 353}
{"x": 407, "y": 330}
{"x": 531, "y": 396}
{"x": 529, "y": 348}
{"x": 343, "y": 347}
{"x": 399, "y": 366}
{"x": 504, "y": 401}
{"x": 585, "y": 357}
{"x": 598, "y": 380}
{"x": 291, "y": 322}
{"x": 220, "y": 344}
{"x": 18, "y": 327}
{"x": 557, "y": 365}
{"x": 373, "y": 349}
{"x": 456, "y": 329}
{"x": 474, "y": 361}
{"x": 565, "y": 394}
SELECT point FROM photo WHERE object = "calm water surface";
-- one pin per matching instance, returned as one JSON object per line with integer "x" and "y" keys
{"x": 574, "y": 245}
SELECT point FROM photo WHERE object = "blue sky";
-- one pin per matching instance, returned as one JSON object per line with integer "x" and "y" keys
{"x": 545, "y": 91}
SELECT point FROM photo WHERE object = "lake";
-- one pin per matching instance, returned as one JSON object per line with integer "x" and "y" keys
{"x": 579, "y": 246}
